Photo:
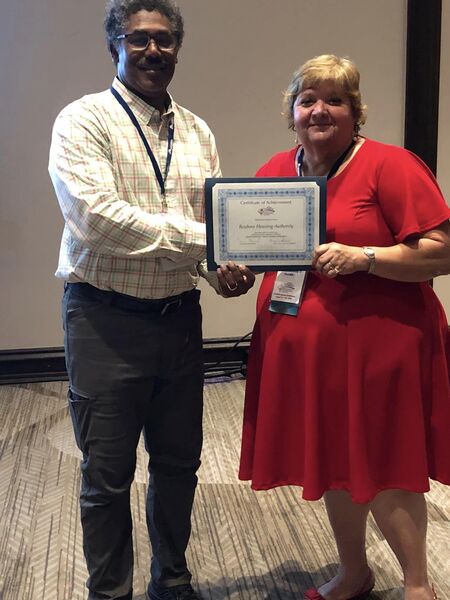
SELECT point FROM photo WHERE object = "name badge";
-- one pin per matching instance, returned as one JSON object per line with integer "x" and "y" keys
{"x": 288, "y": 292}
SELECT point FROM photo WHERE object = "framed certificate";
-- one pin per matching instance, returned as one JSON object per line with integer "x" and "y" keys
{"x": 268, "y": 224}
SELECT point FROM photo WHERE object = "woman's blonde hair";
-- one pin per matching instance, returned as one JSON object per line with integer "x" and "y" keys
{"x": 342, "y": 72}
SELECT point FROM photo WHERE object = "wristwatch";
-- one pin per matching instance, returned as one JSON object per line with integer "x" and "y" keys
{"x": 370, "y": 253}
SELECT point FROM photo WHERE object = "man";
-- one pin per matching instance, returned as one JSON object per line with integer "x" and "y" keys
{"x": 128, "y": 166}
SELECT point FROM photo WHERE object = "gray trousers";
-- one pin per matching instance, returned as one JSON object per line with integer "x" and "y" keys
{"x": 134, "y": 366}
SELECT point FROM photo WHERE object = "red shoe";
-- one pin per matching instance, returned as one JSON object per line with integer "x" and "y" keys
{"x": 369, "y": 584}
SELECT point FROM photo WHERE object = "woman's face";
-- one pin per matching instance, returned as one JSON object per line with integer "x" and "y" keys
{"x": 323, "y": 116}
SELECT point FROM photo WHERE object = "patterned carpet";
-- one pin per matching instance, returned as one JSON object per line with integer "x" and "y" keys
{"x": 245, "y": 545}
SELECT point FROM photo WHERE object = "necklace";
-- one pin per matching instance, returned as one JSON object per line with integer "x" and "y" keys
{"x": 333, "y": 169}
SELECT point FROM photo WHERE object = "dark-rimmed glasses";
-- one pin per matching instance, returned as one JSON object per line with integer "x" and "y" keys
{"x": 140, "y": 40}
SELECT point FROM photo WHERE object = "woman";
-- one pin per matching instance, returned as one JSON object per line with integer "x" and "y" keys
{"x": 350, "y": 398}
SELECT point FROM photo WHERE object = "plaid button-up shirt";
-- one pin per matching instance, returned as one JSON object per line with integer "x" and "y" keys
{"x": 119, "y": 228}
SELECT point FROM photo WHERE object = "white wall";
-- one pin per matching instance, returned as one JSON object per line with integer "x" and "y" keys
{"x": 237, "y": 57}
{"x": 442, "y": 284}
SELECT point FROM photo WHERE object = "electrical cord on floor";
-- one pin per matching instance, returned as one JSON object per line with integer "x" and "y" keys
{"x": 213, "y": 370}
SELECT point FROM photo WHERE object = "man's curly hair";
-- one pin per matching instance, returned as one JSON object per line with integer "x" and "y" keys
{"x": 118, "y": 13}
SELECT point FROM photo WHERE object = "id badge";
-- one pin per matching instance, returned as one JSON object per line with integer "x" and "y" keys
{"x": 288, "y": 292}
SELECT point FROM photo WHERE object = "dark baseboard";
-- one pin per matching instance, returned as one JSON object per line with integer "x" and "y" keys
{"x": 32, "y": 364}
{"x": 222, "y": 356}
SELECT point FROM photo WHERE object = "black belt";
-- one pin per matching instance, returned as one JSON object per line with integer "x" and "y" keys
{"x": 160, "y": 307}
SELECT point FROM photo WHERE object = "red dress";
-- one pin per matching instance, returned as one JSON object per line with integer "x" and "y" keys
{"x": 353, "y": 393}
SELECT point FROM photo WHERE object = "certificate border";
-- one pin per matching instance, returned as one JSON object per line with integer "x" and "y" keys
{"x": 210, "y": 241}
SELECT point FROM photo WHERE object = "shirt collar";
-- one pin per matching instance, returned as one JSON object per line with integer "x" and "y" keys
{"x": 143, "y": 111}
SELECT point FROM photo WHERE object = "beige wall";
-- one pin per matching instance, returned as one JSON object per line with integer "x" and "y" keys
{"x": 237, "y": 57}
{"x": 442, "y": 284}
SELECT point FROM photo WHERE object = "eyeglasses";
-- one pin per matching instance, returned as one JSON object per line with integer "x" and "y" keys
{"x": 140, "y": 40}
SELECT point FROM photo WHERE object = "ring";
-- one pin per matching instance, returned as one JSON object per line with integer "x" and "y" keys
{"x": 331, "y": 267}
{"x": 337, "y": 269}
{"x": 232, "y": 288}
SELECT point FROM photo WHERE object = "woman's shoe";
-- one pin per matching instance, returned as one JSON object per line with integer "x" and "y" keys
{"x": 369, "y": 584}
{"x": 313, "y": 594}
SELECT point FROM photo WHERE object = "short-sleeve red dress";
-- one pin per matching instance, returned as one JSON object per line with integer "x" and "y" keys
{"x": 353, "y": 392}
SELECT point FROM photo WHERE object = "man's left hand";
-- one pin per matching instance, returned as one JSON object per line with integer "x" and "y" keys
{"x": 234, "y": 280}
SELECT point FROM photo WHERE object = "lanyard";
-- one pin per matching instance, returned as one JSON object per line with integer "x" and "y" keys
{"x": 171, "y": 133}
{"x": 333, "y": 169}
{"x": 289, "y": 286}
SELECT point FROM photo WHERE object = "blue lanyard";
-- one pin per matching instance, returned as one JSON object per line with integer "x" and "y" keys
{"x": 333, "y": 169}
{"x": 170, "y": 136}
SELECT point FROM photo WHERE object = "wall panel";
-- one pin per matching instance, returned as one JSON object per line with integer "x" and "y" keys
{"x": 236, "y": 59}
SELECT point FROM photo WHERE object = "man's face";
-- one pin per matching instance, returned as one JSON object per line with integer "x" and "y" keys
{"x": 147, "y": 70}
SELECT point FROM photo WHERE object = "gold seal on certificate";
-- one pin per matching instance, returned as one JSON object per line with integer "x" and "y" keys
{"x": 268, "y": 224}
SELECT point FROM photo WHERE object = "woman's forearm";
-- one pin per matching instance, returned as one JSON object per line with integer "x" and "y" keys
{"x": 415, "y": 260}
